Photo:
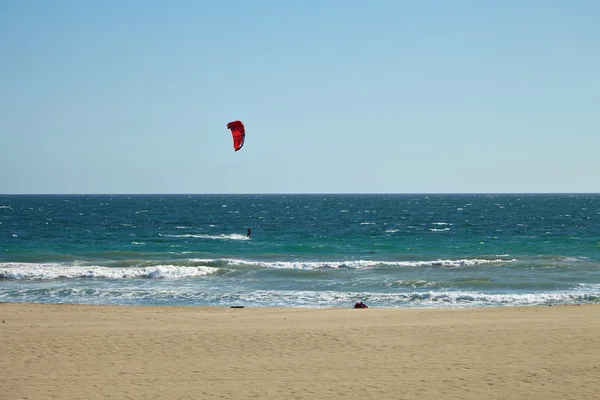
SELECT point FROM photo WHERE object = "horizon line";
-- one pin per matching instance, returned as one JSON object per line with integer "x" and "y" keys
{"x": 295, "y": 193}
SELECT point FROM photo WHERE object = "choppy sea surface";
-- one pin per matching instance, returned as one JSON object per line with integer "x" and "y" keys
{"x": 304, "y": 251}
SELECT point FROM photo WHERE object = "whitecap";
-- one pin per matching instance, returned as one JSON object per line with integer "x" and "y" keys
{"x": 70, "y": 271}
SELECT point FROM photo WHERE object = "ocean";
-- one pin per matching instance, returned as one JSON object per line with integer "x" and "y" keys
{"x": 387, "y": 250}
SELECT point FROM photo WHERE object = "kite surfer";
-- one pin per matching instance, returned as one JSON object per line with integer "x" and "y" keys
{"x": 249, "y": 232}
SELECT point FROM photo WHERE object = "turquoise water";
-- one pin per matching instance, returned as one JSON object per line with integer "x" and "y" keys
{"x": 305, "y": 250}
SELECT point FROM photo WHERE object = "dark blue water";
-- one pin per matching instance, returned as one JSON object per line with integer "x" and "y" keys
{"x": 305, "y": 250}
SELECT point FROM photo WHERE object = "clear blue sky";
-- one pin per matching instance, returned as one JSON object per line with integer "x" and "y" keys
{"x": 337, "y": 96}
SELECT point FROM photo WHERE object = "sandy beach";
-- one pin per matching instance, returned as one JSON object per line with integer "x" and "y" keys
{"x": 123, "y": 352}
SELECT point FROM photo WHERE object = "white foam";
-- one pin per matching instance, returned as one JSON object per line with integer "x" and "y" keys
{"x": 365, "y": 264}
{"x": 574, "y": 259}
{"x": 55, "y": 271}
{"x": 430, "y": 299}
{"x": 231, "y": 236}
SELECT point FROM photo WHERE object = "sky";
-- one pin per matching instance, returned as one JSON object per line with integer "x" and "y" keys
{"x": 348, "y": 96}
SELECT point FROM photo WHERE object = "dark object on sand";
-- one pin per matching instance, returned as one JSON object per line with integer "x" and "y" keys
{"x": 237, "y": 306}
{"x": 360, "y": 304}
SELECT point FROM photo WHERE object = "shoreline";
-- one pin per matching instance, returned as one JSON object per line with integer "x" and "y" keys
{"x": 349, "y": 307}
{"x": 71, "y": 351}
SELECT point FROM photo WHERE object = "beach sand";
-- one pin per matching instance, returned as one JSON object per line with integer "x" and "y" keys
{"x": 135, "y": 352}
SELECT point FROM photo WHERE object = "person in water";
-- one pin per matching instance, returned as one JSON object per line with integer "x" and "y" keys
{"x": 249, "y": 232}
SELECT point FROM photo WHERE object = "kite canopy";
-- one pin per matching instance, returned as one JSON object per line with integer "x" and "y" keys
{"x": 238, "y": 133}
